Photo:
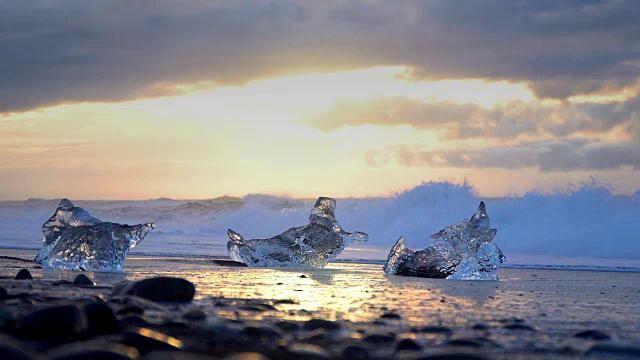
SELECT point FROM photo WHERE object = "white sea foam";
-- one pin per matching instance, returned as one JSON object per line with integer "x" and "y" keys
{"x": 588, "y": 223}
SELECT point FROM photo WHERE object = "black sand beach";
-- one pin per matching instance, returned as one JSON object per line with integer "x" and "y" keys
{"x": 345, "y": 311}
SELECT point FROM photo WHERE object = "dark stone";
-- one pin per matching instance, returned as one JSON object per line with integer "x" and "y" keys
{"x": 100, "y": 318}
{"x": 356, "y": 352}
{"x": 303, "y": 276}
{"x": 379, "y": 339}
{"x": 195, "y": 314}
{"x": 133, "y": 320}
{"x": 133, "y": 309}
{"x": 519, "y": 326}
{"x": 96, "y": 350}
{"x": 3, "y": 292}
{"x": 12, "y": 349}
{"x": 284, "y": 301}
{"x": 480, "y": 327}
{"x": 452, "y": 356}
{"x": 390, "y": 315}
{"x": 23, "y": 274}
{"x": 147, "y": 340}
{"x": 592, "y": 335}
{"x": 83, "y": 280}
{"x": 228, "y": 263}
{"x": 8, "y": 317}
{"x": 177, "y": 355}
{"x": 158, "y": 289}
{"x": 435, "y": 329}
{"x": 611, "y": 348}
{"x": 408, "y": 344}
{"x": 224, "y": 333}
{"x": 65, "y": 321}
{"x": 314, "y": 324}
{"x": 287, "y": 326}
{"x": 261, "y": 333}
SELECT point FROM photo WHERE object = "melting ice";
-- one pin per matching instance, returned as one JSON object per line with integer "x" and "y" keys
{"x": 74, "y": 240}
{"x": 464, "y": 251}
{"x": 309, "y": 246}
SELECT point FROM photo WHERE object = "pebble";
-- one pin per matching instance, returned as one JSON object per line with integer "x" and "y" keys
{"x": 83, "y": 280}
{"x": 435, "y": 329}
{"x": 480, "y": 327}
{"x": 314, "y": 324}
{"x": 23, "y": 274}
{"x": 195, "y": 314}
{"x": 518, "y": 326}
{"x": 379, "y": 339}
{"x": 13, "y": 349}
{"x": 147, "y": 340}
{"x": 176, "y": 355}
{"x": 93, "y": 349}
{"x": 356, "y": 352}
{"x": 608, "y": 348}
{"x": 64, "y": 321}
{"x": 261, "y": 333}
{"x": 390, "y": 315}
{"x": 158, "y": 289}
{"x": 408, "y": 344}
{"x": 100, "y": 318}
{"x": 287, "y": 326}
{"x": 592, "y": 335}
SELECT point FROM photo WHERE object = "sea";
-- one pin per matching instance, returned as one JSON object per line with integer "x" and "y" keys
{"x": 586, "y": 228}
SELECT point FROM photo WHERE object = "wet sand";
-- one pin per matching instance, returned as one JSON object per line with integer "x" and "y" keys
{"x": 532, "y": 314}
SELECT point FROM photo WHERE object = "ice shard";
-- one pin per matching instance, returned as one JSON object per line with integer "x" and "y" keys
{"x": 463, "y": 251}
{"x": 309, "y": 246}
{"x": 74, "y": 240}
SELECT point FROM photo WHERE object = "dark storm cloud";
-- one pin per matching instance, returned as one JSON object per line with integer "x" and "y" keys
{"x": 473, "y": 121}
{"x": 66, "y": 51}
{"x": 548, "y": 156}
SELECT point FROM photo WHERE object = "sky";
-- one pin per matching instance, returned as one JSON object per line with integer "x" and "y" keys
{"x": 198, "y": 99}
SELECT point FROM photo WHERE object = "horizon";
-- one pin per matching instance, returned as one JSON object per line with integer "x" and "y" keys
{"x": 132, "y": 101}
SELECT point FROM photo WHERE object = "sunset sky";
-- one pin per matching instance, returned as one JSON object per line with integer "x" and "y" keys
{"x": 198, "y": 99}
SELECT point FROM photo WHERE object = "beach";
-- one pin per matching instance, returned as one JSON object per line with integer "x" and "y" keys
{"x": 528, "y": 313}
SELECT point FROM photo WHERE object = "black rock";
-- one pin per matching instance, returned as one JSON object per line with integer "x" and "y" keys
{"x": 100, "y": 318}
{"x": 195, "y": 314}
{"x": 519, "y": 326}
{"x": 12, "y": 349}
{"x": 23, "y": 274}
{"x": 147, "y": 340}
{"x": 178, "y": 355}
{"x": 129, "y": 310}
{"x": 408, "y": 344}
{"x": 379, "y": 339}
{"x": 390, "y": 315}
{"x": 452, "y": 356}
{"x": 261, "y": 333}
{"x": 356, "y": 352}
{"x": 480, "y": 327}
{"x": 65, "y": 321}
{"x": 158, "y": 289}
{"x": 287, "y": 326}
{"x": 97, "y": 350}
{"x": 314, "y": 324}
{"x": 3, "y": 292}
{"x": 435, "y": 329}
{"x": 83, "y": 280}
{"x": 592, "y": 335}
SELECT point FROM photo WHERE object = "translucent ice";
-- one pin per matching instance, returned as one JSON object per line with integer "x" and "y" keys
{"x": 464, "y": 251}
{"x": 307, "y": 246}
{"x": 74, "y": 240}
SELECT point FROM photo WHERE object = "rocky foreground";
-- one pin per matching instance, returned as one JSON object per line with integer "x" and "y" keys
{"x": 157, "y": 318}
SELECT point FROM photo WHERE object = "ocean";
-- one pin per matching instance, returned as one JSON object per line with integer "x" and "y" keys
{"x": 587, "y": 228}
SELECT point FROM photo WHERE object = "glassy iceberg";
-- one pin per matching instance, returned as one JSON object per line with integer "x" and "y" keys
{"x": 74, "y": 240}
{"x": 309, "y": 246}
{"x": 463, "y": 251}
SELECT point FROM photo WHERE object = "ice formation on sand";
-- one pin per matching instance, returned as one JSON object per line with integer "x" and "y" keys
{"x": 74, "y": 240}
{"x": 464, "y": 251}
{"x": 309, "y": 246}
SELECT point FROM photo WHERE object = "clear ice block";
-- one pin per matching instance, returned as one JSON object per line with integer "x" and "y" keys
{"x": 463, "y": 251}
{"x": 309, "y": 246}
{"x": 74, "y": 240}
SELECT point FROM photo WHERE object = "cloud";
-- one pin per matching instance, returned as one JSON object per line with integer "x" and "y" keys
{"x": 548, "y": 156}
{"x": 503, "y": 121}
{"x": 71, "y": 51}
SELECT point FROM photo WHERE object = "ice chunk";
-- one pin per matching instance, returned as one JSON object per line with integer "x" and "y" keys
{"x": 74, "y": 240}
{"x": 307, "y": 246}
{"x": 464, "y": 251}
